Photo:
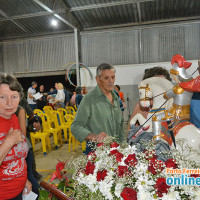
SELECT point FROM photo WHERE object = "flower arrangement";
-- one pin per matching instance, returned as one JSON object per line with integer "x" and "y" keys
{"x": 116, "y": 171}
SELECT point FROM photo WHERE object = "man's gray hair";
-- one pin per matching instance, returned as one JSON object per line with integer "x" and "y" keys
{"x": 102, "y": 67}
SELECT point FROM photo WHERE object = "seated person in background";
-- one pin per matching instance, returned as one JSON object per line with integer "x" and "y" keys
{"x": 84, "y": 90}
{"x": 195, "y": 106}
{"x": 30, "y": 93}
{"x": 66, "y": 100}
{"x": 79, "y": 96}
{"x": 121, "y": 94}
{"x": 195, "y": 109}
{"x": 120, "y": 101}
{"x": 50, "y": 97}
{"x": 42, "y": 101}
{"x": 151, "y": 72}
{"x": 73, "y": 99}
{"x": 99, "y": 114}
{"x": 60, "y": 97}
{"x": 13, "y": 146}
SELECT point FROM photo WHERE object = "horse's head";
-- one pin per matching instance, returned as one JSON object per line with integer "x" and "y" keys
{"x": 145, "y": 95}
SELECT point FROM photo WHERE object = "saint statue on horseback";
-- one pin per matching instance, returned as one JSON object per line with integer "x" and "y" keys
{"x": 166, "y": 124}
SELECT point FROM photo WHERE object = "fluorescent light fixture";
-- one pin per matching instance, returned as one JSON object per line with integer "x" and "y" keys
{"x": 54, "y": 22}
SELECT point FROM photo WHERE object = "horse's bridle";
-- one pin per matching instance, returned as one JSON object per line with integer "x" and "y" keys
{"x": 147, "y": 88}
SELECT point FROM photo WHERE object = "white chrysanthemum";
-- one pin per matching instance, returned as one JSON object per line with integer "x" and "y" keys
{"x": 89, "y": 181}
{"x": 118, "y": 189}
{"x": 141, "y": 168}
{"x": 105, "y": 188}
{"x": 145, "y": 184}
{"x": 89, "y": 157}
{"x": 187, "y": 189}
{"x": 174, "y": 195}
{"x": 144, "y": 195}
{"x": 105, "y": 163}
{"x": 128, "y": 150}
{"x": 81, "y": 175}
{"x": 196, "y": 195}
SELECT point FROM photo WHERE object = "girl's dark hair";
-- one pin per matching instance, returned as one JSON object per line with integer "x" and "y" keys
{"x": 118, "y": 87}
{"x": 156, "y": 71}
{"x": 12, "y": 82}
{"x": 78, "y": 90}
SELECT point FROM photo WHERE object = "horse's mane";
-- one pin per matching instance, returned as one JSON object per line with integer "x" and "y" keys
{"x": 166, "y": 84}
{"x": 161, "y": 85}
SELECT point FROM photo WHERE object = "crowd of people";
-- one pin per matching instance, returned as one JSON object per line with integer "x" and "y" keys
{"x": 99, "y": 115}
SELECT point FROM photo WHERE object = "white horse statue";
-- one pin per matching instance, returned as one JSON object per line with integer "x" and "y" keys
{"x": 150, "y": 89}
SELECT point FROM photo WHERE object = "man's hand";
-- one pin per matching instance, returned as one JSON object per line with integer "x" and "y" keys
{"x": 100, "y": 137}
{"x": 97, "y": 137}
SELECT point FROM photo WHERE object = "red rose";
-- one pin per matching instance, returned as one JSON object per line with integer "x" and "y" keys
{"x": 170, "y": 163}
{"x": 89, "y": 169}
{"x": 101, "y": 175}
{"x": 92, "y": 154}
{"x": 150, "y": 154}
{"x": 195, "y": 175}
{"x": 100, "y": 144}
{"x": 161, "y": 186}
{"x": 122, "y": 170}
{"x": 117, "y": 154}
{"x": 131, "y": 160}
{"x": 114, "y": 152}
{"x": 114, "y": 144}
{"x": 155, "y": 165}
{"x": 119, "y": 157}
{"x": 129, "y": 194}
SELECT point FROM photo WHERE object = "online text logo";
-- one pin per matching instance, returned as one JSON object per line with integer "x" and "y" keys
{"x": 183, "y": 176}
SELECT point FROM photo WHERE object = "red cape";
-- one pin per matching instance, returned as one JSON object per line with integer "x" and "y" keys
{"x": 191, "y": 86}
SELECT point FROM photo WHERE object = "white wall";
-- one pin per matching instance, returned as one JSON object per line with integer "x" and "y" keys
{"x": 130, "y": 74}
{"x": 128, "y": 77}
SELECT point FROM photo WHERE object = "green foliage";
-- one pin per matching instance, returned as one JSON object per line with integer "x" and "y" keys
{"x": 43, "y": 195}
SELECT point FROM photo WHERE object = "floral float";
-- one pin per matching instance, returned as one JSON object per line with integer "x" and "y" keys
{"x": 116, "y": 171}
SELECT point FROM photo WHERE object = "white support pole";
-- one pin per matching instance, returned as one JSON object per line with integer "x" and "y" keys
{"x": 76, "y": 55}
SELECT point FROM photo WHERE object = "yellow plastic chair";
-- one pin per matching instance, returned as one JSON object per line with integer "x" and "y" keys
{"x": 62, "y": 112}
{"x": 58, "y": 124}
{"x": 37, "y": 111}
{"x": 70, "y": 110}
{"x": 83, "y": 144}
{"x": 57, "y": 134}
{"x": 47, "y": 110}
{"x": 69, "y": 119}
{"x": 44, "y": 136}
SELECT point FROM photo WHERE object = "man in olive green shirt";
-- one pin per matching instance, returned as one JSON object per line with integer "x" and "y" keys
{"x": 99, "y": 113}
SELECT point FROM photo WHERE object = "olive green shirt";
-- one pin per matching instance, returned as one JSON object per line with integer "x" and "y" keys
{"x": 96, "y": 114}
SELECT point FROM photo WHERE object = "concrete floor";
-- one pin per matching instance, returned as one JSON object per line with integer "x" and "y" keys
{"x": 46, "y": 164}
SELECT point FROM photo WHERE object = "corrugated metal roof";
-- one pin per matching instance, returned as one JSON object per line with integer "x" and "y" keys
{"x": 25, "y": 18}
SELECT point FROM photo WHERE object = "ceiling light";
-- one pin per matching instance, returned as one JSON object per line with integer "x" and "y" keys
{"x": 54, "y": 22}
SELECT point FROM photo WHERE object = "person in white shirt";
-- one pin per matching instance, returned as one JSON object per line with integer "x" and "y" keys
{"x": 60, "y": 97}
{"x": 30, "y": 93}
